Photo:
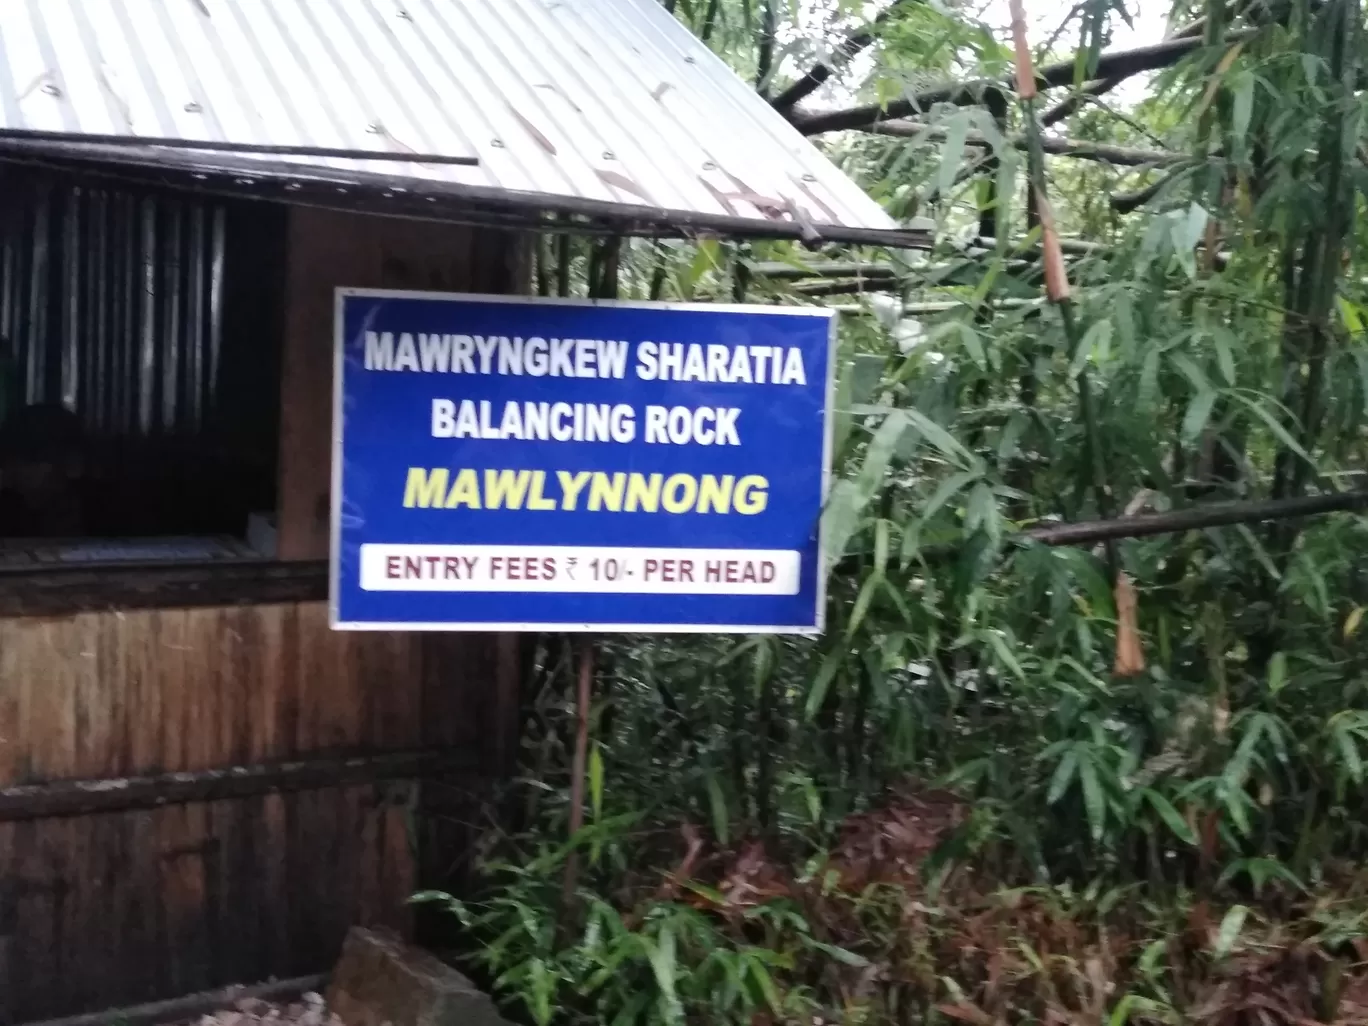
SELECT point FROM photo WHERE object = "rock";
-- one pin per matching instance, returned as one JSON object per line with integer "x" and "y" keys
{"x": 381, "y": 981}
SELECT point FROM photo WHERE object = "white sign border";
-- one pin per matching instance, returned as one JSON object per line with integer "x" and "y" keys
{"x": 342, "y": 293}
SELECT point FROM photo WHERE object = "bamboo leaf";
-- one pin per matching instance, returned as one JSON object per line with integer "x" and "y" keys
{"x": 762, "y": 977}
{"x": 1275, "y": 426}
{"x": 1192, "y": 372}
{"x": 982, "y": 511}
{"x": 941, "y": 439}
{"x": 1349, "y": 752}
{"x": 1225, "y": 353}
{"x": 1197, "y": 415}
{"x": 1149, "y": 377}
{"x": 1277, "y": 672}
{"x": 862, "y": 602}
{"x": 1005, "y": 654}
{"x": 1009, "y": 443}
{"x": 842, "y": 955}
{"x": 1241, "y": 107}
{"x": 896, "y": 598}
{"x": 661, "y": 955}
{"x": 1260, "y": 553}
{"x": 821, "y": 683}
{"x": 1352, "y": 621}
{"x": 866, "y": 371}
{"x": 840, "y": 519}
{"x": 717, "y": 806}
{"x": 542, "y": 988}
{"x": 841, "y": 419}
{"x": 1093, "y": 798}
{"x": 1229, "y": 933}
{"x": 596, "y": 781}
{"x": 881, "y": 532}
{"x": 1351, "y": 314}
{"x": 1214, "y": 84}
{"x": 1096, "y": 340}
{"x": 880, "y": 452}
{"x": 948, "y": 489}
{"x": 952, "y": 154}
{"x": 1171, "y": 817}
{"x": 1063, "y": 776}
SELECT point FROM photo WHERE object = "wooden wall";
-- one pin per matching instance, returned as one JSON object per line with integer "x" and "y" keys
{"x": 108, "y": 898}
{"x": 125, "y": 906}
{"x": 329, "y": 249}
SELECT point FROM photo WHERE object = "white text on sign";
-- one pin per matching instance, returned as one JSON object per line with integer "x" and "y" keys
{"x": 578, "y": 569}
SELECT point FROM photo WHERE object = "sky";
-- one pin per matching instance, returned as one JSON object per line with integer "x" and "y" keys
{"x": 1149, "y": 17}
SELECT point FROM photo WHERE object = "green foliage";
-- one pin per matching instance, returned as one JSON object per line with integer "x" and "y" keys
{"x": 1228, "y": 774}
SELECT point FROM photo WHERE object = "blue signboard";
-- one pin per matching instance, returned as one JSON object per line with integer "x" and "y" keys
{"x": 527, "y": 464}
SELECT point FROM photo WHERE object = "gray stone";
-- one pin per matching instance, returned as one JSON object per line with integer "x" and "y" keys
{"x": 381, "y": 981}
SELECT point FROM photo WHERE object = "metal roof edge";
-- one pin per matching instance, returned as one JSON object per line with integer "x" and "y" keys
{"x": 429, "y": 199}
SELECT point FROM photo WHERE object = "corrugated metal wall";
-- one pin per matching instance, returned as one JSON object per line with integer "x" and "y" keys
{"x": 113, "y": 304}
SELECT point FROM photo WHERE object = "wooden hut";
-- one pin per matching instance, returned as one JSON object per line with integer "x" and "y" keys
{"x": 200, "y": 784}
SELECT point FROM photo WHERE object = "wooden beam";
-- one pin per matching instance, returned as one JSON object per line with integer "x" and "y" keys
{"x": 186, "y": 1008}
{"x": 828, "y": 269}
{"x": 64, "y": 799}
{"x": 62, "y": 591}
{"x": 221, "y": 146}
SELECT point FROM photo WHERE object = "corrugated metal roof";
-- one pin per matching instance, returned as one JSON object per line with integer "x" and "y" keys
{"x": 602, "y": 100}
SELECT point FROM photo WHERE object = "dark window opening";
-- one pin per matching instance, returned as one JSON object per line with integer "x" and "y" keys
{"x": 140, "y": 352}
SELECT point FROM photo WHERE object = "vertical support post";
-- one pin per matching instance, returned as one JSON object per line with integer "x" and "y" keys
{"x": 1129, "y": 658}
{"x": 583, "y": 698}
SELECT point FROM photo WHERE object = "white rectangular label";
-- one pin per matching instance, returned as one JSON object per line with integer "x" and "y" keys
{"x": 588, "y": 569}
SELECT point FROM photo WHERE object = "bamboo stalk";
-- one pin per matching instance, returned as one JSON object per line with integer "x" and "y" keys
{"x": 1058, "y": 292}
{"x": 741, "y": 277}
{"x": 1217, "y": 514}
{"x": 1123, "y": 156}
{"x": 764, "y": 65}
{"x": 543, "y": 261}
{"x": 709, "y": 20}
{"x": 1340, "y": 216}
{"x": 610, "y": 260}
{"x": 658, "y": 272}
{"x": 563, "y": 265}
{"x": 1310, "y": 274}
{"x": 584, "y": 696}
{"x": 1148, "y": 525}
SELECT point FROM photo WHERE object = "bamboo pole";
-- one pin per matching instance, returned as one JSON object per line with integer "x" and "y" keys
{"x": 1122, "y": 156}
{"x": 1198, "y": 518}
{"x": 1129, "y": 659}
{"x": 583, "y": 698}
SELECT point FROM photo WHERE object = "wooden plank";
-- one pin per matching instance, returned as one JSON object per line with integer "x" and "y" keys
{"x": 184, "y": 1008}
{"x": 64, "y": 799}
{"x": 117, "y": 908}
{"x": 118, "y": 891}
{"x": 326, "y": 250}
{"x": 143, "y": 692}
{"x": 61, "y": 592}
